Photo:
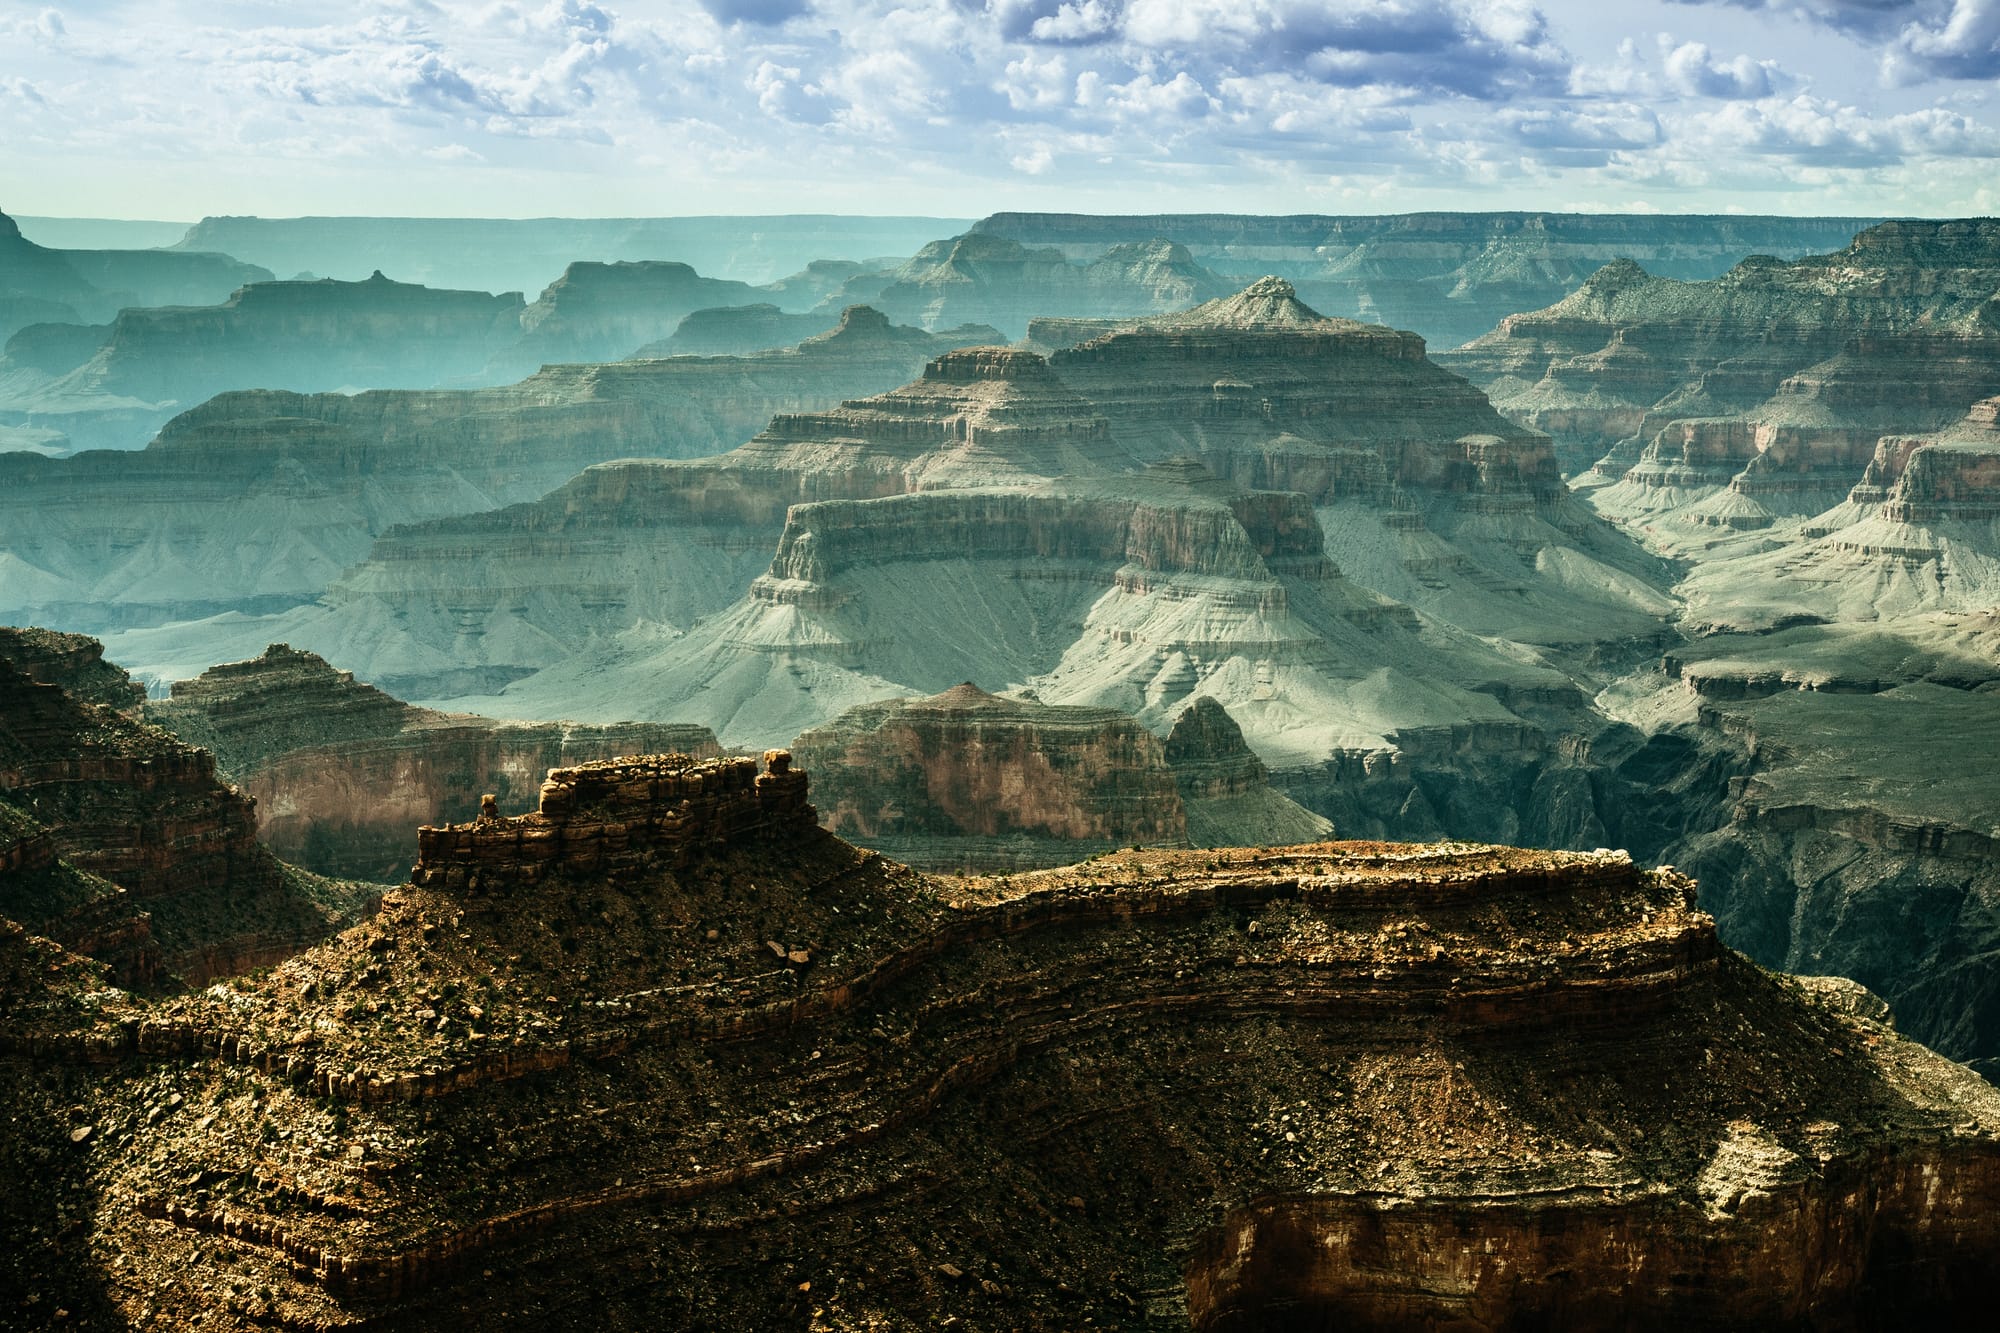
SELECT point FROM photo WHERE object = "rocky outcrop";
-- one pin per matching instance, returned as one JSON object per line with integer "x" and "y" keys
{"x": 969, "y": 780}
{"x": 132, "y": 805}
{"x": 604, "y": 312}
{"x": 1449, "y": 276}
{"x": 986, "y": 279}
{"x": 75, "y": 663}
{"x": 1885, "y": 334}
{"x": 1226, "y": 788}
{"x": 254, "y": 501}
{"x": 340, "y": 771}
{"x": 711, "y": 1064}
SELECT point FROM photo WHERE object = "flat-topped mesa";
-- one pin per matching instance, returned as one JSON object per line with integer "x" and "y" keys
{"x": 976, "y": 415}
{"x": 621, "y": 816}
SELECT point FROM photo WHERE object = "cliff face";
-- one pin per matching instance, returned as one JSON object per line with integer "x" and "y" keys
{"x": 965, "y": 779}
{"x": 1449, "y": 276}
{"x": 1827, "y": 782}
{"x": 986, "y": 279}
{"x": 1010, "y": 517}
{"x": 256, "y": 499}
{"x": 340, "y": 771}
{"x": 714, "y": 1068}
{"x": 1888, "y": 329}
{"x": 603, "y": 312}
{"x": 39, "y": 284}
{"x": 133, "y": 807}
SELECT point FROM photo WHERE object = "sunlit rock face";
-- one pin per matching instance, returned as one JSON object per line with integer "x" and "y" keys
{"x": 151, "y": 861}
{"x": 970, "y": 780}
{"x": 341, "y": 771}
{"x": 708, "y": 1063}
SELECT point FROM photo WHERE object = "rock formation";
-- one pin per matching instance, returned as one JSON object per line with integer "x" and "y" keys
{"x": 1226, "y": 788}
{"x": 527, "y": 254}
{"x": 1449, "y": 276}
{"x": 340, "y": 771}
{"x": 605, "y": 312}
{"x": 986, "y": 279}
{"x": 1798, "y": 347}
{"x": 255, "y": 501}
{"x": 43, "y": 285}
{"x": 666, "y": 1050}
{"x": 302, "y": 336}
{"x": 735, "y": 330}
{"x": 171, "y": 869}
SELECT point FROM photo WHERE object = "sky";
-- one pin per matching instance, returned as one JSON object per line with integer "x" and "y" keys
{"x": 179, "y": 109}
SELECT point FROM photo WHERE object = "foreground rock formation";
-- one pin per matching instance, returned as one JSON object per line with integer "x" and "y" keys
{"x": 666, "y": 1051}
{"x": 968, "y": 780}
{"x": 340, "y": 771}
{"x": 156, "y": 863}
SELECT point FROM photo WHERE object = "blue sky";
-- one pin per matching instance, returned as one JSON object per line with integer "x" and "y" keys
{"x": 179, "y": 108}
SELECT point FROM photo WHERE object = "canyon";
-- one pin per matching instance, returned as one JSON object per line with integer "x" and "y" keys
{"x": 125, "y": 843}
{"x": 258, "y": 500}
{"x": 665, "y": 1049}
{"x": 1047, "y": 1004}
{"x": 1449, "y": 276}
{"x": 339, "y": 772}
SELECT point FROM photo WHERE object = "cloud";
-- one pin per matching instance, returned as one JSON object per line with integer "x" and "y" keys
{"x": 763, "y": 13}
{"x": 1964, "y": 45}
{"x": 951, "y": 105}
{"x": 1080, "y": 21}
{"x": 1827, "y": 133}
{"x": 1693, "y": 70}
{"x": 1866, "y": 19}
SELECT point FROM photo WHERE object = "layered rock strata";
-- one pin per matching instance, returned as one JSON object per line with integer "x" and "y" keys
{"x": 146, "y": 817}
{"x": 1449, "y": 276}
{"x": 1892, "y": 332}
{"x": 339, "y": 771}
{"x": 711, "y": 1067}
{"x": 986, "y": 279}
{"x": 302, "y": 336}
{"x": 969, "y": 780}
{"x": 259, "y": 500}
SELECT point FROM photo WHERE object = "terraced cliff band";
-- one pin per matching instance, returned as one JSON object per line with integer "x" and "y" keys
{"x": 706, "y": 1066}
